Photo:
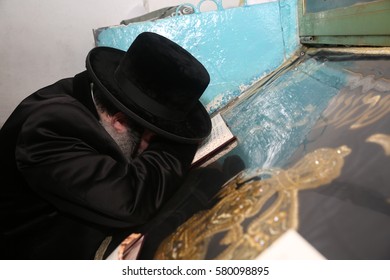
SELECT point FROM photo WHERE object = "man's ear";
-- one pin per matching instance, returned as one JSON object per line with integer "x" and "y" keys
{"x": 119, "y": 122}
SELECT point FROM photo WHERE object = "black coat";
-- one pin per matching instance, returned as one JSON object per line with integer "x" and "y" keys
{"x": 65, "y": 183}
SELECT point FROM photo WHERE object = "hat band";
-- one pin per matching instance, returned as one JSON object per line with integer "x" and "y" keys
{"x": 145, "y": 102}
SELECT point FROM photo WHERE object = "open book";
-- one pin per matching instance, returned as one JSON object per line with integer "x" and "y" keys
{"x": 220, "y": 142}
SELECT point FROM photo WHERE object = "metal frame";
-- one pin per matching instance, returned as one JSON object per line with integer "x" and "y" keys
{"x": 365, "y": 24}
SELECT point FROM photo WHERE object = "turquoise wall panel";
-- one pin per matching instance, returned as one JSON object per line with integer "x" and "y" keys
{"x": 238, "y": 46}
{"x": 289, "y": 25}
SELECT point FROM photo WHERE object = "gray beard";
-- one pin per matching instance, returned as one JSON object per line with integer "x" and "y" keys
{"x": 127, "y": 142}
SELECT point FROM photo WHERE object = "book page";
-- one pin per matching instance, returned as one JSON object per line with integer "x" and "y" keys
{"x": 220, "y": 135}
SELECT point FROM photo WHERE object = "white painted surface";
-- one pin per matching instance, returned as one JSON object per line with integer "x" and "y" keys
{"x": 207, "y": 5}
{"x": 291, "y": 246}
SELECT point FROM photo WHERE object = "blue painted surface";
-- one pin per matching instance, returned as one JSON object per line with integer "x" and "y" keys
{"x": 288, "y": 20}
{"x": 271, "y": 124}
{"x": 237, "y": 46}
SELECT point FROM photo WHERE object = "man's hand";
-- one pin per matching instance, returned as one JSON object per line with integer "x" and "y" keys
{"x": 146, "y": 137}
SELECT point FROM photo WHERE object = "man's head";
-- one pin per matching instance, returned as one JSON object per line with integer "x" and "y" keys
{"x": 157, "y": 84}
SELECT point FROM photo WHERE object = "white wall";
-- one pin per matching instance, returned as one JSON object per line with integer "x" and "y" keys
{"x": 42, "y": 41}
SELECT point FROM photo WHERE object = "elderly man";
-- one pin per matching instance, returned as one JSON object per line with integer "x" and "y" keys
{"x": 100, "y": 153}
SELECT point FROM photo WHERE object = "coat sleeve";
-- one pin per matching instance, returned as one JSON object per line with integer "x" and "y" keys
{"x": 66, "y": 157}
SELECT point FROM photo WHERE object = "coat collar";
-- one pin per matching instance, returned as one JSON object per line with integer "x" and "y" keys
{"x": 82, "y": 91}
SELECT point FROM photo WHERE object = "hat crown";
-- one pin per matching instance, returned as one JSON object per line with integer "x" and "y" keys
{"x": 165, "y": 75}
{"x": 157, "y": 83}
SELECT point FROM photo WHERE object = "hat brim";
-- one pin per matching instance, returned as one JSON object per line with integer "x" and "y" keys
{"x": 195, "y": 127}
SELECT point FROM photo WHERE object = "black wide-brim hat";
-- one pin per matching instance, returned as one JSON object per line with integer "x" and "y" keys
{"x": 157, "y": 83}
